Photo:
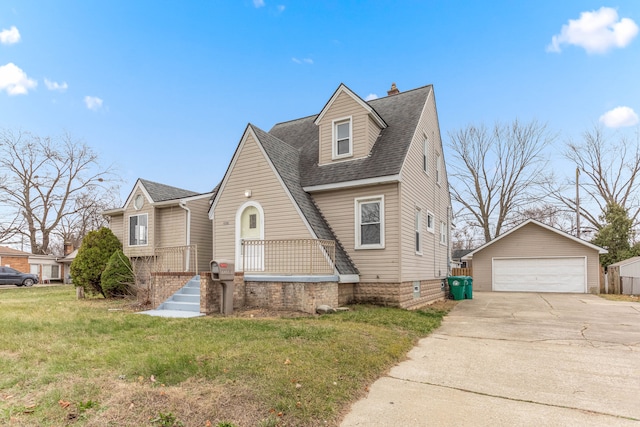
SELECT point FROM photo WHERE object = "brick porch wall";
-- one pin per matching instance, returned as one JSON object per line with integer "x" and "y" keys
{"x": 166, "y": 284}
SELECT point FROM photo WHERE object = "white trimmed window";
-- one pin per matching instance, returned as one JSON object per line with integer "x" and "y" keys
{"x": 430, "y": 223}
{"x": 370, "y": 222}
{"x": 425, "y": 155}
{"x": 342, "y": 138}
{"x": 138, "y": 230}
{"x": 443, "y": 233}
{"x": 418, "y": 228}
{"x": 438, "y": 168}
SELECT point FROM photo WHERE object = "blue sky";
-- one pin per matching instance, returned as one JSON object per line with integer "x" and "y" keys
{"x": 163, "y": 90}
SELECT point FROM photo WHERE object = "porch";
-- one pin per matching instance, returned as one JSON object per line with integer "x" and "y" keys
{"x": 299, "y": 257}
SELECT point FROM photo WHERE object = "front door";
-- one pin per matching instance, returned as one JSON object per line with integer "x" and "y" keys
{"x": 251, "y": 231}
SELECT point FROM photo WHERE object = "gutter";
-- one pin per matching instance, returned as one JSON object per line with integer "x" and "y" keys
{"x": 183, "y": 205}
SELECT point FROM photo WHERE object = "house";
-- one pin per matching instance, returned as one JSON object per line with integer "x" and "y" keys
{"x": 348, "y": 205}
{"x": 624, "y": 277}
{"x": 164, "y": 225}
{"x": 47, "y": 267}
{"x": 534, "y": 257}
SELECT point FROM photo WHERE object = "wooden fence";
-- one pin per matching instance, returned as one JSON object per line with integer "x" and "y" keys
{"x": 462, "y": 272}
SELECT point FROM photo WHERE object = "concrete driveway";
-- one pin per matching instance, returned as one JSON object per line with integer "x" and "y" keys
{"x": 516, "y": 359}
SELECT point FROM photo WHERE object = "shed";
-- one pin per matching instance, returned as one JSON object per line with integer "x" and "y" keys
{"x": 624, "y": 276}
{"x": 535, "y": 257}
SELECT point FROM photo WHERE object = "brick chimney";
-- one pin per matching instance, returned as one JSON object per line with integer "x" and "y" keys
{"x": 393, "y": 91}
{"x": 68, "y": 248}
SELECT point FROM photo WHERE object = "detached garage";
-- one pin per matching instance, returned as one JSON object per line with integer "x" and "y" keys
{"x": 534, "y": 257}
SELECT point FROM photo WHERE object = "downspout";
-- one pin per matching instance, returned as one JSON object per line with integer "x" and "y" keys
{"x": 183, "y": 205}
{"x": 449, "y": 214}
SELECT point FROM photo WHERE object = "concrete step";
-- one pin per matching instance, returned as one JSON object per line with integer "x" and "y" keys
{"x": 190, "y": 291}
{"x": 186, "y": 298}
{"x": 180, "y": 306}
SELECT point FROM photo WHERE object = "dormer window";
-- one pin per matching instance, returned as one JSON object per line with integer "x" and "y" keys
{"x": 342, "y": 138}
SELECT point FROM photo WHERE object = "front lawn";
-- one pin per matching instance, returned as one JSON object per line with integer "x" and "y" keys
{"x": 95, "y": 363}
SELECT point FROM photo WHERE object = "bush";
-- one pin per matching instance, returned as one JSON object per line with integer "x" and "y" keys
{"x": 91, "y": 260}
{"x": 117, "y": 277}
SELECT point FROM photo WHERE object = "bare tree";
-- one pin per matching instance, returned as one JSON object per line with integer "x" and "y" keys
{"x": 608, "y": 176}
{"x": 497, "y": 172}
{"x": 546, "y": 213}
{"x": 52, "y": 184}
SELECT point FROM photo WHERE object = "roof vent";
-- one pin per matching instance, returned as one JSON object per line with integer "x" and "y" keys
{"x": 393, "y": 91}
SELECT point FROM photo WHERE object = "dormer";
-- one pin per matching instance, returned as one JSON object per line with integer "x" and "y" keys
{"x": 347, "y": 127}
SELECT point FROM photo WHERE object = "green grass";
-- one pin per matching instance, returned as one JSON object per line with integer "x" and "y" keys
{"x": 106, "y": 361}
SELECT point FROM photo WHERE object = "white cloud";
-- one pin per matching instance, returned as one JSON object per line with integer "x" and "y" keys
{"x": 371, "y": 97}
{"x": 93, "y": 102}
{"x": 302, "y": 61}
{"x": 15, "y": 81}
{"x": 258, "y": 3}
{"x": 597, "y": 31}
{"x": 10, "y": 36}
{"x": 619, "y": 117}
{"x": 61, "y": 87}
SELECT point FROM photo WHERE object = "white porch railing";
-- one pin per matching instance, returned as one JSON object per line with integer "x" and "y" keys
{"x": 289, "y": 257}
{"x": 176, "y": 259}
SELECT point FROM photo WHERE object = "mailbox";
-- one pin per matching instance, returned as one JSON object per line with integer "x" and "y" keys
{"x": 222, "y": 270}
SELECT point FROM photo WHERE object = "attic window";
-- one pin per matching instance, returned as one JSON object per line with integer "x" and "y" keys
{"x": 342, "y": 146}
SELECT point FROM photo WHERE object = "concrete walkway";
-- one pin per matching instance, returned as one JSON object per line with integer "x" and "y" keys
{"x": 516, "y": 359}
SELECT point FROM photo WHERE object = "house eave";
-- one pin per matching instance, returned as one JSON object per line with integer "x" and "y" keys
{"x": 355, "y": 183}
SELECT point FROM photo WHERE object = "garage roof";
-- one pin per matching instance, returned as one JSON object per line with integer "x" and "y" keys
{"x": 538, "y": 223}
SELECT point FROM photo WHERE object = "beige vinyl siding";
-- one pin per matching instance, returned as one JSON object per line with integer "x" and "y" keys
{"x": 532, "y": 241}
{"x": 148, "y": 249}
{"x": 201, "y": 231}
{"x": 251, "y": 171}
{"x": 338, "y": 207}
{"x": 171, "y": 226}
{"x": 373, "y": 131}
{"x": 363, "y": 131}
{"x": 420, "y": 190}
{"x": 116, "y": 225}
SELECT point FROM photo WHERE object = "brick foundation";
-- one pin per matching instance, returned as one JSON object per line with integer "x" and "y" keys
{"x": 399, "y": 294}
{"x": 300, "y": 296}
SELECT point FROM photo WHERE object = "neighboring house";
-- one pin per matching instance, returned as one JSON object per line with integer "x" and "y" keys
{"x": 164, "y": 225}
{"x": 47, "y": 267}
{"x": 624, "y": 277}
{"x": 14, "y": 258}
{"x": 66, "y": 261}
{"x": 456, "y": 258}
{"x": 534, "y": 257}
{"x": 354, "y": 199}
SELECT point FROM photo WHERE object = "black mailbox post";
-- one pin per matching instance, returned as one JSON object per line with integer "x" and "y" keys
{"x": 222, "y": 271}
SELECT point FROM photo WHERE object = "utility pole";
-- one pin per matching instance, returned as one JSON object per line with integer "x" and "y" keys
{"x": 577, "y": 203}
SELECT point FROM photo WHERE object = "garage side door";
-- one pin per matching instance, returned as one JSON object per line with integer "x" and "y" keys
{"x": 540, "y": 274}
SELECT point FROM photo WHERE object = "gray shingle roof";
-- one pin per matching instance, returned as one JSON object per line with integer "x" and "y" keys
{"x": 161, "y": 192}
{"x": 401, "y": 112}
{"x": 286, "y": 160}
{"x": 292, "y": 147}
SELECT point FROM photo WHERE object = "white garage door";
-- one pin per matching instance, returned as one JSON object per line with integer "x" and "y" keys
{"x": 540, "y": 274}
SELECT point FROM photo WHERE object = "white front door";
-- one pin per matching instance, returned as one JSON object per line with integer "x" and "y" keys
{"x": 251, "y": 230}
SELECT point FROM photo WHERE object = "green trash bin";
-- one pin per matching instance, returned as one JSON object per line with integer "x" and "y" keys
{"x": 468, "y": 287}
{"x": 456, "y": 287}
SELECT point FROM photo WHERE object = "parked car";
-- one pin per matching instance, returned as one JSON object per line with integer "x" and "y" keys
{"x": 11, "y": 276}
